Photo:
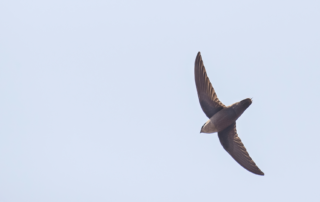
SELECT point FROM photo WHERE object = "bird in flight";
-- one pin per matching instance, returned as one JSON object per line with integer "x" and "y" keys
{"x": 222, "y": 119}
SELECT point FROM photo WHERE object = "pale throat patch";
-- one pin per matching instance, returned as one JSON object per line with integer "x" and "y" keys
{"x": 209, "y": 127}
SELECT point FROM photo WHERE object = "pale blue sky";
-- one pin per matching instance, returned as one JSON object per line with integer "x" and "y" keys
{"x": 98, "y": 100}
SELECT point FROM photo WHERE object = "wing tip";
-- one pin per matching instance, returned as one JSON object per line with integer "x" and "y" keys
{"x": 198, "y": 62}
{"x": 198, "y": 58}
{"x": 261, "y": 174}
{"x": 258, "y": 172}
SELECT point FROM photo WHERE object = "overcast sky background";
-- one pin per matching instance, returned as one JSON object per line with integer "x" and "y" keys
{"x": 98, "y": 100}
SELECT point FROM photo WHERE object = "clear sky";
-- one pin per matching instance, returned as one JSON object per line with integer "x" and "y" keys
{"x": 98, "y": 100}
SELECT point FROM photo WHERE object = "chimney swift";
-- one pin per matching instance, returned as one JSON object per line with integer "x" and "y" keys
{"x": 222, "y": 119}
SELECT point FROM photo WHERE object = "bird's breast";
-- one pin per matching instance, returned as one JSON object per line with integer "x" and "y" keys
{"x": 223, "y": 118}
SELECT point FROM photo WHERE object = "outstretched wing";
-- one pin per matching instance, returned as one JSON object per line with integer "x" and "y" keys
{"x": 233, "y": 145}
{"x": 208, "y": 99}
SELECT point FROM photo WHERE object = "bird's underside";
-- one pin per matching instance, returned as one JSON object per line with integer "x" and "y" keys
{"x": 210, "y": 105}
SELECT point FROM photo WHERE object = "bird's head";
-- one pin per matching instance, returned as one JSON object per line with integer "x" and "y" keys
{"x": 208, "y": 127}
{"x": 201, "y": 131}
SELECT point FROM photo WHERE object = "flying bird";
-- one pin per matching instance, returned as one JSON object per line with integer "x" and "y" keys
{"x": 222, "y": 119}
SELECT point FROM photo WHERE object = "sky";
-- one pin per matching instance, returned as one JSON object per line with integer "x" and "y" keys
{"x": 98, "y": 100}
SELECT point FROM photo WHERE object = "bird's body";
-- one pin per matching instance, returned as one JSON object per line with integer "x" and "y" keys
{"x": 225, "y": 117}
{"x": 222, "y": 119}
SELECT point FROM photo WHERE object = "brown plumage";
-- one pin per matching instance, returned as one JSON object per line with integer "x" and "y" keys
{"x": 222, "y": 119}
{"x": 208, "y": 99}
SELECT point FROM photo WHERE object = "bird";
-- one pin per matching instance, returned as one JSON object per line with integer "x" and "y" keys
{"x": 222, "y": 119}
